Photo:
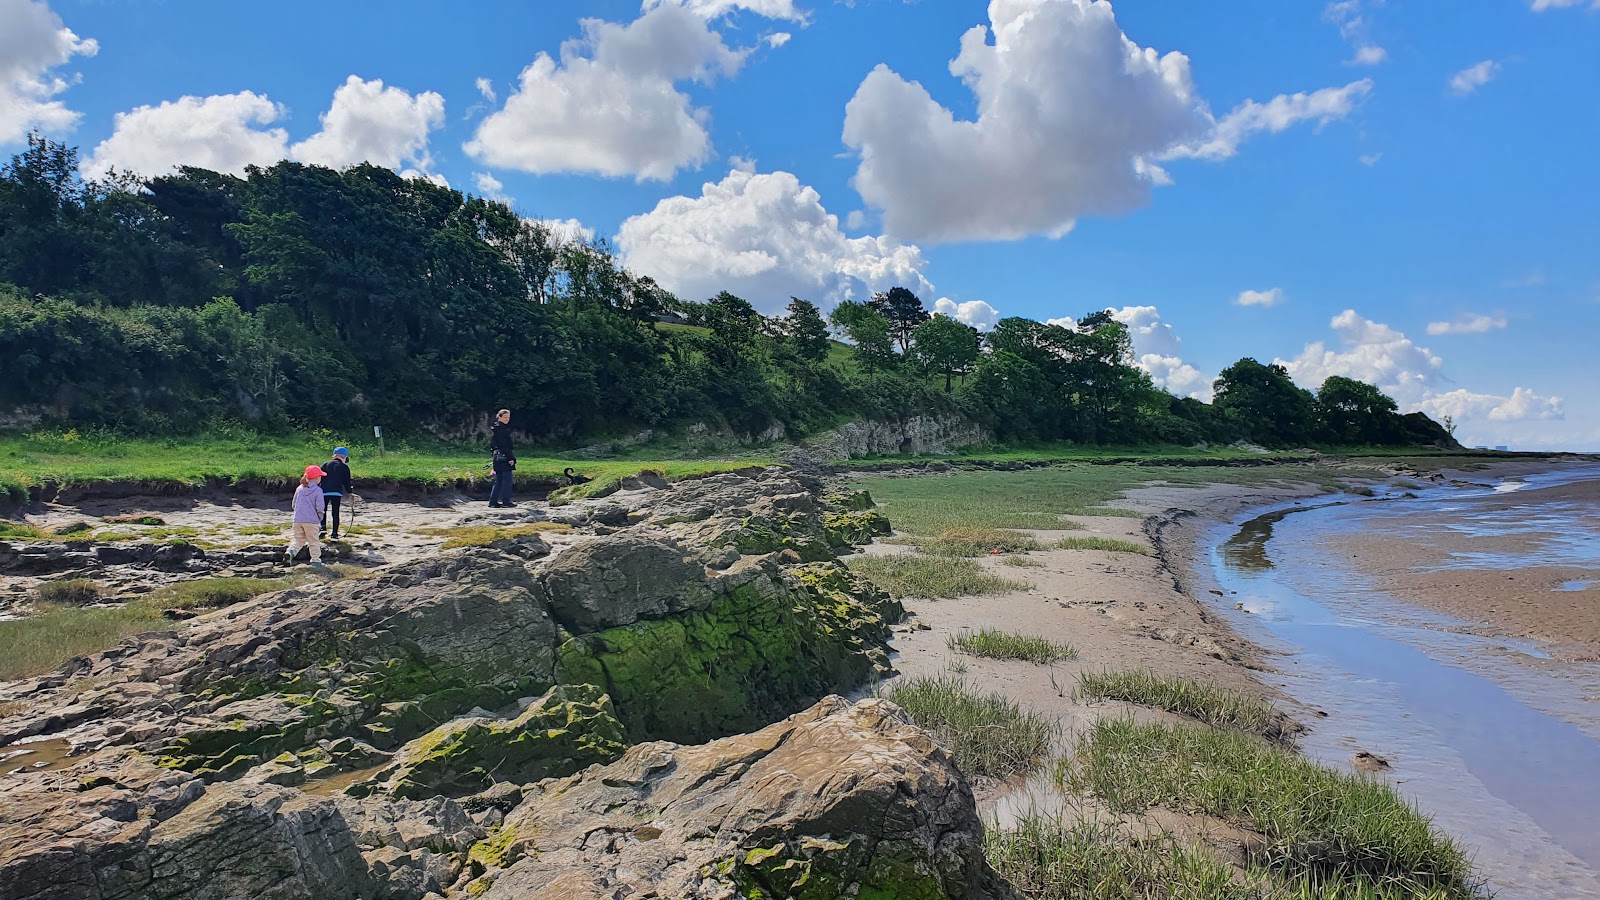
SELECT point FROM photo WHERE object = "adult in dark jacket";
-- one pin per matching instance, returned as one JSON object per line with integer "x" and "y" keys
{"x": 502, "y": 460}
{"x": 336, "y": 486}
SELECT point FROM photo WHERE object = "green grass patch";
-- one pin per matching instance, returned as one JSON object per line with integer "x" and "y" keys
{"x": 479, "y": 535}
{"x": 977, "y": 542}
{"x": 1021, "y": 562}
{"x": 1050, "y": 858}
{"x": 1114, "y": 545}
{"x": 988, "y": 734}
{"x": 66, "y": 458}
{"x": 134, "y": 519}
{"x": 72, "y": 592}
{"x": 252, "y": 530}
{"x": 994, "y": 644}
{"x": 1206, "y": 703}
{"x": 58, "y": 631}
{"x": 21, "y": 531}
{"x": 1320, "y": 826}
{"x": 210, "y": 593}
{"x": 937, "y": 577}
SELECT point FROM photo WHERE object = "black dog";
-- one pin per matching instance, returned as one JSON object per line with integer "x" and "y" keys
{"x": 573, "y": 477}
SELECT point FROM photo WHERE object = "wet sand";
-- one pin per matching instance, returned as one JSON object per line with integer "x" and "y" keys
{"x": 1524, "y": 563}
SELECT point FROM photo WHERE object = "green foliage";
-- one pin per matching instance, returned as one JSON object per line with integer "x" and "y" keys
{"x": 1267, "y": 407}
{"x": 72, "y": 592}
{"x": 1206, "y": 703}
{"x": 1100, "y": 543}
{"x": 945, "y": 347}
{"x": 993, "y": 644}
{"x": 1317, "y": 823}
{"x": 300, "y": 296}
{"x": 1051, "y": 858}
{"x": 915, "y": 575}
{"x": 976, "y": 542}
{"x": 988, "y": 734}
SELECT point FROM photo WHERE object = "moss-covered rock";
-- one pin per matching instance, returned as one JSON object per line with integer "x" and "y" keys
{"x": 569, "y": 728}
{"x": 767, "y": 647}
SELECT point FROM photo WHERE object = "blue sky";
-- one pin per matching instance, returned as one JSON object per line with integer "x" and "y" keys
{"x": 1410, "y": 194}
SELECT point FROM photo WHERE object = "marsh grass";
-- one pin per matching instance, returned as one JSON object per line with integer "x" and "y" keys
{"x": 1206, "y": 703}
{"x": 21, "y": 531}
{"x": 988, "y": 734}
{"x": 977, "y": 542}
{"x": 993, "y": 644}
{"x": 1114, "y": 545}
{"x": 72, "y": 528}
{"x": 1021, "y": 562}
{"x": 479, "y": 535}
{"x": 134, "y": 519}
{"x": 935, "y": 577}
{"x": 71, "y": 592}
{"x": 58, "y": 631}
{"x": 1320, "y": 827}
{"x": 1047, "y": 857}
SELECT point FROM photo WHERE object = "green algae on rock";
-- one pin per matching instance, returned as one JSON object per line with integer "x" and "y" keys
{"x": 570, "y": 728}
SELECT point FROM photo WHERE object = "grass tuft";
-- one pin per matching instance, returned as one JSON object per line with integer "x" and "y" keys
{"x": 989, "y": 735}
{"x": 1049, "y": 858}
{"x": 21, "y": 531}
{"x": 1021, "y": 562}
{"x": 977, "y": 542}
{"x": 480, "y": 535}
{"x": 58, "y": 631}
{"x": 72, "y": 528}
{"x": 73, "y": 592}
{"x": 1099, "y": 543}
{"x": 994, "y": 644}
{"x": 1319, "y": 826}
{"x": 1206, "y": 703}
{"x": 134, "y": 519}
{"x": 915, "y": 575}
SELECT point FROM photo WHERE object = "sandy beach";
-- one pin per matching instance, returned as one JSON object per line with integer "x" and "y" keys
{"x": 1494, "y": 576}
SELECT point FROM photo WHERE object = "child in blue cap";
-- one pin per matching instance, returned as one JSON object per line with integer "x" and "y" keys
{"x": 335, "y": 485}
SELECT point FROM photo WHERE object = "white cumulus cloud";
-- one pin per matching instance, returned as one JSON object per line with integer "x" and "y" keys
{"x": 1413, "y": 375}
{"x": 1471, "y": 323}
{"x": 369, "y": 122}
{"x": 33, "y": 43}
{"x": 977, "y": 313}
{"x": 1157, "y": 350}
{"x": 777, "y": 39}
{"x": 711, "y": 9}
{"x": 366, "y": 122}
{"x": 1269, "y": 297}
{"x": 1473, "y": 77}
{"x": 610, "y": 104}
{"x": 222, "y": 132}
{"x": 1070, "y": 116}
{"x": 490, "y": 187}
{"x": 765, "y": 237}
{"x": 568, "y": 231}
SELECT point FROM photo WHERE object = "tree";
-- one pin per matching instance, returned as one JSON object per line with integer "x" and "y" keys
{"x": 1265, "y": 404}
{"x": 903, "y": 311}
{"x": 1354, "y": 412}
{"x": 806, "y": 330}
{"x": 1093, "y": 320}
{"x": 868, "y": 330}
{"x": 945, "y": 347}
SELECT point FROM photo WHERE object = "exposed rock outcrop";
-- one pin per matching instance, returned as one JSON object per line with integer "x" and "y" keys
{"x": 374, "y": 737}
{"x": 912, "y": 435}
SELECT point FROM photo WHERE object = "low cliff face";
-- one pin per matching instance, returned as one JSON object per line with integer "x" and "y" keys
{"x": 370, "y": 737}
{"x": 914, "y": 435}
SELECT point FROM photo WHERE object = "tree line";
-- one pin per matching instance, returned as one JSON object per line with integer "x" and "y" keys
{"x": 299, "y": 296}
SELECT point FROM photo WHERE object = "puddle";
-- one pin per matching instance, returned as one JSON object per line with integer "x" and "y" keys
{"x": 333, "y": 784}
{"x": 1578, "y": 584}
{"x": 1448, "y": 709}
{"x": 44, "y": 755}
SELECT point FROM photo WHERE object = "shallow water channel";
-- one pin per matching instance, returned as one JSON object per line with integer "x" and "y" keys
{"x": 1501, "y": 752}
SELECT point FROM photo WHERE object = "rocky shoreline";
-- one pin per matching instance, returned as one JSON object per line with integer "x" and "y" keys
{"x": 448, "y": 700}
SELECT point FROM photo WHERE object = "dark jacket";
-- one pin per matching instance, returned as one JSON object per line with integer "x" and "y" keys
{"x": 504, "y": 458}
{"x": 336, "y": 477}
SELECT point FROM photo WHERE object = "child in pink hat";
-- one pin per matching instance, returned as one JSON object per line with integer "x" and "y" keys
{"x": 308, "y": 506}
